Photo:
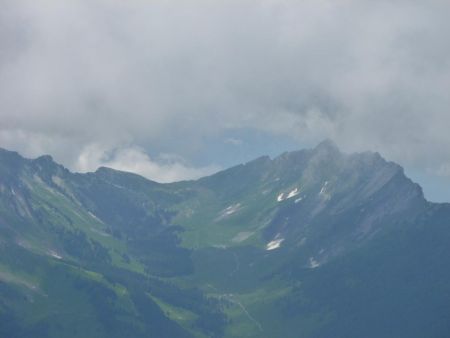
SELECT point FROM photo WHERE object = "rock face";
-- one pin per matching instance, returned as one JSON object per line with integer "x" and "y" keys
{"x": 313, "y": 243}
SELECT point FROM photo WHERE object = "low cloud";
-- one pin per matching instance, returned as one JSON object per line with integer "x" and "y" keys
{"x": 164, "y": 76}
{"x": 167, "y": 168}
{"x": 233, "y": 141}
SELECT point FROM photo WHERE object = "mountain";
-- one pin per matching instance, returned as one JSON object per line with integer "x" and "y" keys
{"x": 312, "y": 243}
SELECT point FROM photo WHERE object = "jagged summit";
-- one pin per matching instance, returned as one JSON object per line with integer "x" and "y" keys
{"x": 7, "y": 156}
{"x": 44, "y": 158}
{"x": 4, "y": 152}
{"x": 327, "y": 145}
{"x": 302, "y": 234}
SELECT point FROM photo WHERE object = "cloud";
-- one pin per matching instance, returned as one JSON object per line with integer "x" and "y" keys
{"x": 164, "y": 76}
{"x": 233, "y": 141}
{"x": 167, "y": 168}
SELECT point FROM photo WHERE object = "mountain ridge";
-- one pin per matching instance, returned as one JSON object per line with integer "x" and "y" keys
{"x": 228, "y": 255}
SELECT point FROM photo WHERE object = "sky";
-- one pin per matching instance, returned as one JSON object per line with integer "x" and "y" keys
{"x": 180, "y": 89}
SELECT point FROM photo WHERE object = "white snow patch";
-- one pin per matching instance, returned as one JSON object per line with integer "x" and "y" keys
{"x": 242, "y": 236}
{"x": 298, "y": 200}
{"x": 313, "y": 263}
{"x": 231, "y": 209}
{"x": 293, "y": 193}
{"x": 58, "y": 181}
{"x": 95, "y": 217}
{"x": 275, "y": 244}
{"x": 284, "y": 196}
{"x": 323, "y": 190}
{"x": 54, "y": 254}
{"x": 219, "y": 246}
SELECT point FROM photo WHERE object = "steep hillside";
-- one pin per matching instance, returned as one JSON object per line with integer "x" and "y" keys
{"x": 313, "y": 243}
{"x": 66, "y": 272}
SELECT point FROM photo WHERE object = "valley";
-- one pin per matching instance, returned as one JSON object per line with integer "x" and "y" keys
{"x": 312, "y": 243}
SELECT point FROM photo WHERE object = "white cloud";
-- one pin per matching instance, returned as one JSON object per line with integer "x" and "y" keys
{"x": 233, "y": 141}
{"x": 134, "y": 159}
{"x": 166, "y": 75}
{"x": 443, "y": 170}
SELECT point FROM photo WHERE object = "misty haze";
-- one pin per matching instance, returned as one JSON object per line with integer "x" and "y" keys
{"x": 224, "y": 169}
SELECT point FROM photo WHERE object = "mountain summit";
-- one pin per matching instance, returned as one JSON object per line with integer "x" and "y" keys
{"x": 312, "y": 243}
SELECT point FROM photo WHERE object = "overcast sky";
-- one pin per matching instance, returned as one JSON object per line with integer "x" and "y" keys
{"x": 179, "y": 89}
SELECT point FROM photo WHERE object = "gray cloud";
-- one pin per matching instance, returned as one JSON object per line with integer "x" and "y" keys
{"x": 77, "y": 75}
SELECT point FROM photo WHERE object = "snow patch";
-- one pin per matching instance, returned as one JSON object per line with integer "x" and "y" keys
{"x": 298, "y": 200}
{"x": 323, "y": 191}
{"x": 284, "y": 196}
{"x": 293, "y": 193}
{"x": 58, "y": 181}
{"x": 313, "y": 263}
{"x": 219, "y": 246}
{"x": 275, "y": 244}
{"x": 232, "y": 209}
{"x": 242, "y": 236}
{"x": 54, "y": 254}
{"x": 95, "y": 217}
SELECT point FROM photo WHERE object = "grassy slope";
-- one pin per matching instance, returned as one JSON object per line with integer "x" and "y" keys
{"x": 263, "y": 293}
{"x": 72, "y": 276}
